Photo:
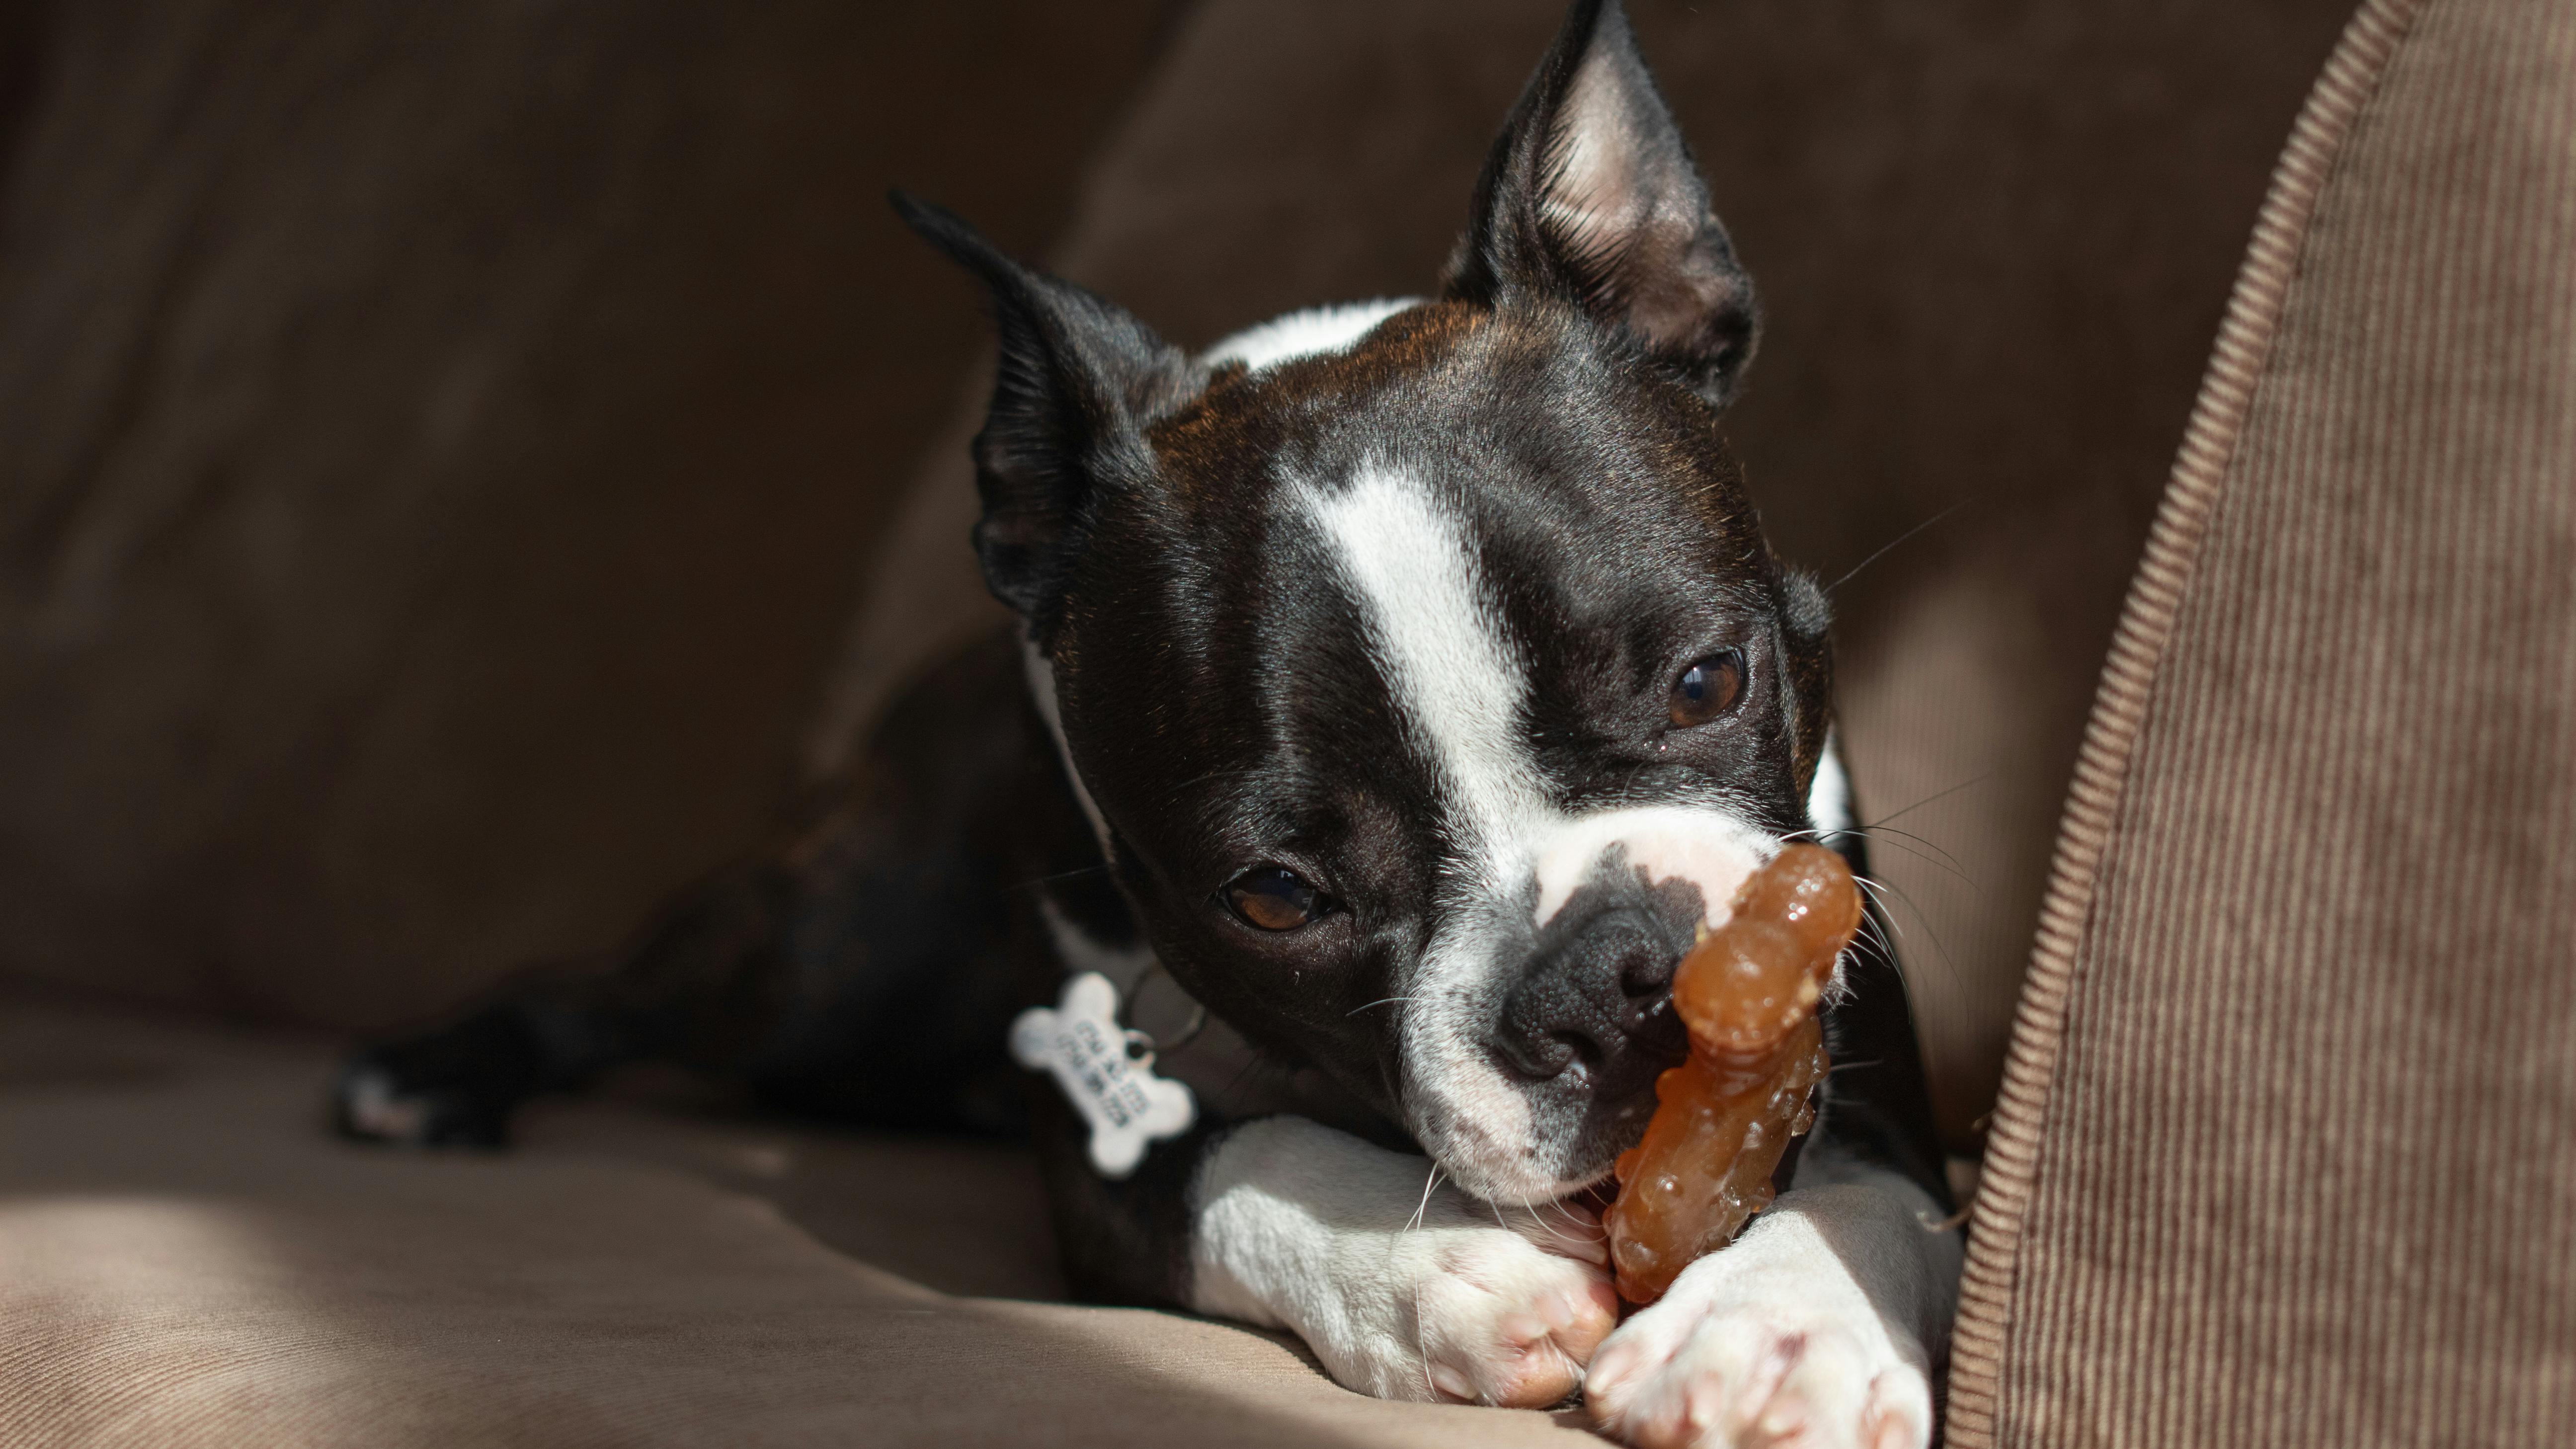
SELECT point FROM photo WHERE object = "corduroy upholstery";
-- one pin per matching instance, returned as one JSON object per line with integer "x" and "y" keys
{"x": 2287, "y": 1154}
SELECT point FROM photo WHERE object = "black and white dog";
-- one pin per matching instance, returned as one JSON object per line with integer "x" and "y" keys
{"x": 1403, "y": 683}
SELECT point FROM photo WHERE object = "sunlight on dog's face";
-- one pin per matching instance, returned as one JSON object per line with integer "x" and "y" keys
{"x": 1439, "y": 688}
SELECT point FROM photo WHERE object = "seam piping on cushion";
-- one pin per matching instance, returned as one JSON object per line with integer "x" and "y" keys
{"x": 2120, "y": 703}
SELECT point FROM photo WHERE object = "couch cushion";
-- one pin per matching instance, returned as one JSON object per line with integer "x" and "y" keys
{"x": 437, "y": 444}
{"x": 2284, "y": 1156}
{"x": 186, "y": 1259}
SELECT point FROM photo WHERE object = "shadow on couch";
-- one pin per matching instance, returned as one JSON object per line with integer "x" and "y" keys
{"x": 191, "y": 1261}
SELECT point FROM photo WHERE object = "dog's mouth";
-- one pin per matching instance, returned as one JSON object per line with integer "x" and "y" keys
{"x": 1532, "y": 1063}
{"x": 1511, "y": 1135}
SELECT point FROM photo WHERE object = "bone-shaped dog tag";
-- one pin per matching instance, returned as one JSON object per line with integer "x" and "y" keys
{"x": 1113, "y": 1086}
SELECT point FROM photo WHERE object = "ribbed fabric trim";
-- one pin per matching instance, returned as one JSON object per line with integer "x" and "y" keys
{"x": 2120, "y": 705}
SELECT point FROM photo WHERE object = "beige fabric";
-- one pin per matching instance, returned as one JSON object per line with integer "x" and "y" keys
{"x": 186, "y": 1260}
{"x": 2285, "y": 1151}
{"x": 1993, "y": 239}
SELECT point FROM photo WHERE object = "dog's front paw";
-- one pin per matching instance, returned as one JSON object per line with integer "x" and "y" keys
{"x": 1403, "y": 1291}
{"x": 1495, "y": 1316}
{"x": 454, "y": 1087}
{"x": 1771, "y": 1343}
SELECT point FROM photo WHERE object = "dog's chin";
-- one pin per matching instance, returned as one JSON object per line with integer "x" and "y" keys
{"x": 1511, "y": 1183}
{"x": 1535, "y": 1166}
{"x": 1505, "y": 1138}
{"x": 1515, "y": 1182}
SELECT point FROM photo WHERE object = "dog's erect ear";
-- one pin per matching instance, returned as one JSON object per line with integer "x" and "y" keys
{"x": 1079, "y": 380}
{"x": 1591, "y": 194}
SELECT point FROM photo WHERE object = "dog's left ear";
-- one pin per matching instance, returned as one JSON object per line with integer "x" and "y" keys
{"x": 1078, "y": 382}
{"x": 1591, "y": 195}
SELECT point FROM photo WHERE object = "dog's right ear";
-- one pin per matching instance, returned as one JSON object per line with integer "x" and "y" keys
{"x": 1590, "y": 194}
{"x": 1079, "y": 381}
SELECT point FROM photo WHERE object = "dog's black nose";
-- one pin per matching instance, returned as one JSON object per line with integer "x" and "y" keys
{"x": 1600, "y": 997}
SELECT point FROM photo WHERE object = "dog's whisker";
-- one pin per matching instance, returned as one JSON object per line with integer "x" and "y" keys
{"x": 1581, "y": 1231}
{"x": 1422, "y": 1350}
{"x": 1382, "y": 1001}
{"x": 1924, "y": 851}
{"x": 1879, "y": 891}
{"x": 1888, "y": 897}
{"x": 1886, "y": 547}
{"x": 1429, "y": 1185}
{"x": 1884, "y": 898}
{"x": 1554, "y": 1233}
{"x": 1929, "y": 799}
{"x": 1922, "y": 847}
{"x": 1043, "y": 881}
{"x": 1882, "y": 924}
{"x": 1923, "y": 842}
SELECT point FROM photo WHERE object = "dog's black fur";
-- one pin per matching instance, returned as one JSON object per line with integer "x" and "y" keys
{"x": 1219, "y": 700}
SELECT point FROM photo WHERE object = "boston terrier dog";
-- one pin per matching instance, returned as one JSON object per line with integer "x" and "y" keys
{"x": 1396, "y": 690}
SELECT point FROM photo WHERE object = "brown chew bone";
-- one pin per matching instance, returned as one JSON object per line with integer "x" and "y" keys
{"x": 1748, "y": 992}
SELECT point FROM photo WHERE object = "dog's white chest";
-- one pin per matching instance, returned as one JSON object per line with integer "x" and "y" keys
{"x": 1105, "y": 1071}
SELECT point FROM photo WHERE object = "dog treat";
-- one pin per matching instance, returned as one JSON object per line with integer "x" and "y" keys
{"x": 1748, "y": 993}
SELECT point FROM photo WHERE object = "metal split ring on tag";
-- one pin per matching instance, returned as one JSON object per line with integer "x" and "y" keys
{"x": 1189, "y": 1033}
{"x": 1106, "y": 1070}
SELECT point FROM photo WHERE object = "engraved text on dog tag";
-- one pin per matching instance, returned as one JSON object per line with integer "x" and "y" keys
{"x": 1105, "y": 1070}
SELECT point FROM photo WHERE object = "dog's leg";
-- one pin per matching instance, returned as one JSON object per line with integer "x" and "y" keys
{"x": 1405, "y": 1288}
{"x": 694, "y": 986}
{"x": 1819, "y": 1326}
{"x": 859, "y": 971}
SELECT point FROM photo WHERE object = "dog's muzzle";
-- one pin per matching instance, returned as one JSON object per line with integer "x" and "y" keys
{"x": 1594, "y": 1006}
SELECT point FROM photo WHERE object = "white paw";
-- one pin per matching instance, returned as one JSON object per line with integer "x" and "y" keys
{"x": 1401, "y": 1294}
{"x": 1770, "y": 1343}
{"x": 371, "y": 1106}
{"x": 1477, "y": 1314}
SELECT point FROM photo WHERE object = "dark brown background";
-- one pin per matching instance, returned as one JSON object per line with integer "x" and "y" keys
{"x": 441, "y": 443}
{"x": 440, "y": 449}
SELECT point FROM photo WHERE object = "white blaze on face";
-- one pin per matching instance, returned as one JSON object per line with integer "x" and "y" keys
{"x": 1407, "y": 559}
{"x": 1709, "y": 848}
{"x": 1450, "y": 668}
{"x": 1446, "y": 657}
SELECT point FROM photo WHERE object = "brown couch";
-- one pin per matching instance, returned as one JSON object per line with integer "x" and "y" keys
{"x": 434, "y": 455}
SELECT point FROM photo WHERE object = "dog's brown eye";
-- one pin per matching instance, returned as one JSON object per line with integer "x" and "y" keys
{"x": 1271, "y": 899}
{"x": 1708, "y": 689}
